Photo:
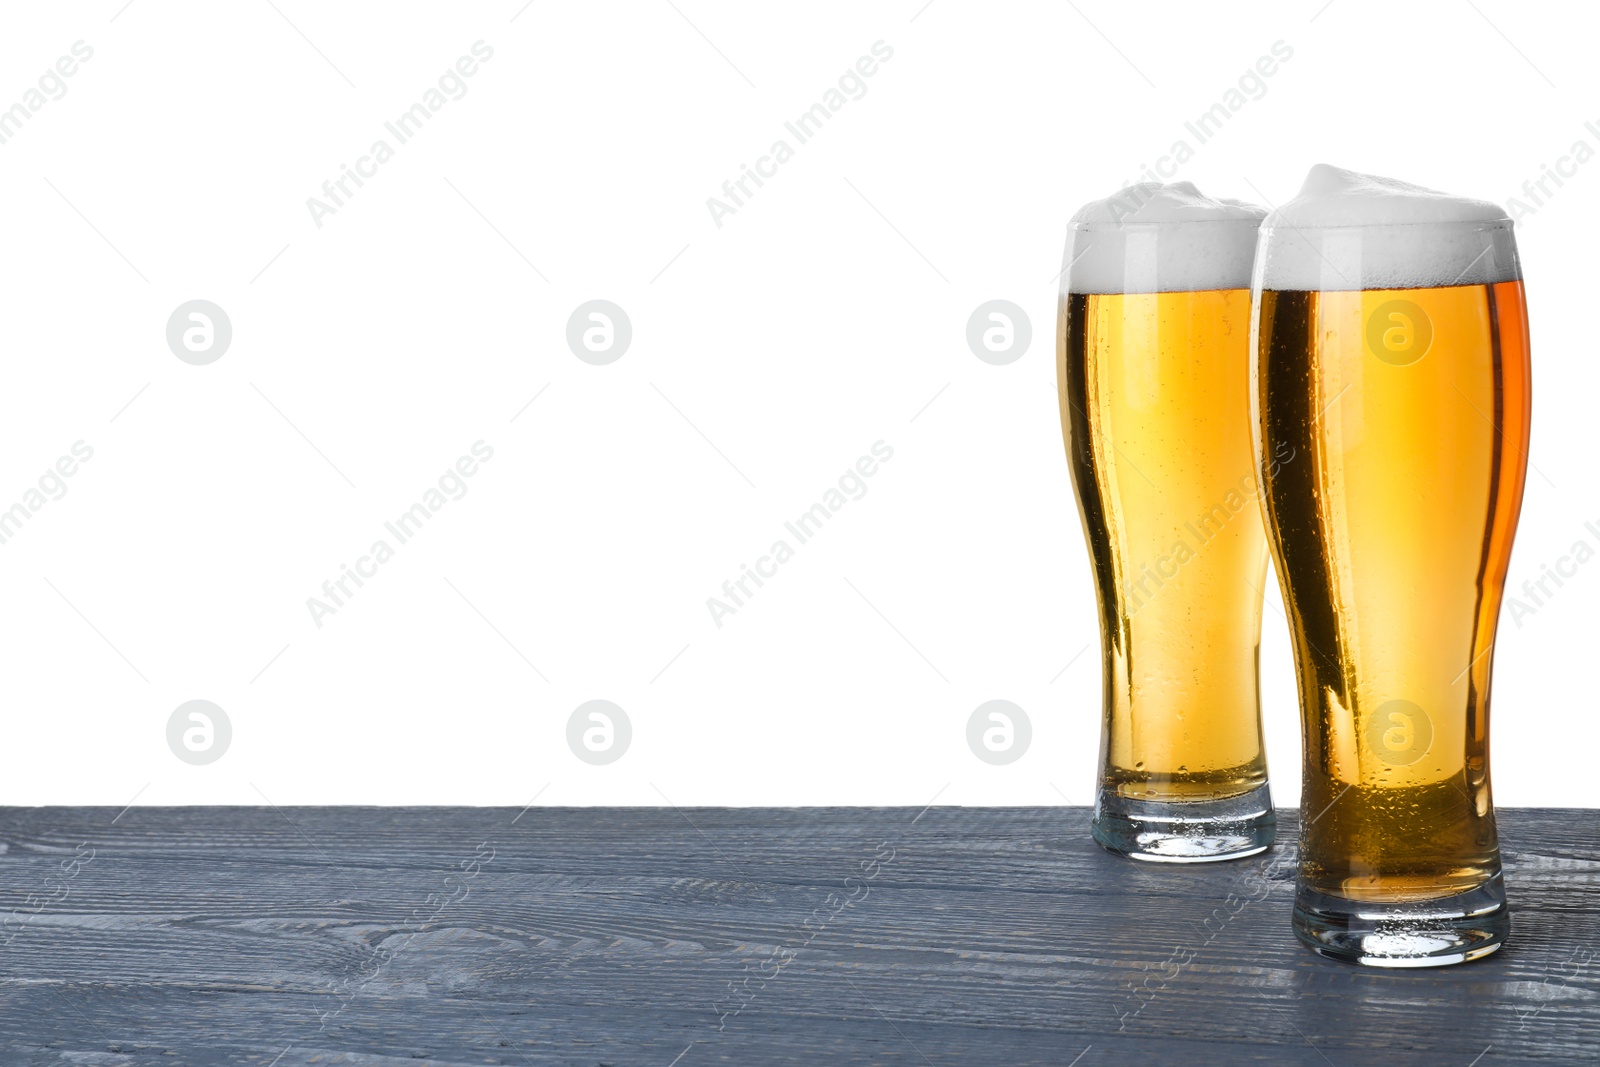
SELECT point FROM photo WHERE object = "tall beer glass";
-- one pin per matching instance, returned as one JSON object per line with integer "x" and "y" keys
{"x": 1153, "y": 372}
{"x": 1390, "y": 352}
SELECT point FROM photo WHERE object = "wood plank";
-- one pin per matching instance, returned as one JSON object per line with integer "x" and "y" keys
{"x": 753, "y": 936}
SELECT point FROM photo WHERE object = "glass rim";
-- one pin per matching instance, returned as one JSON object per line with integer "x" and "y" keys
{"x": 1170, "y": 224}
{"x": 1464, "y": 224}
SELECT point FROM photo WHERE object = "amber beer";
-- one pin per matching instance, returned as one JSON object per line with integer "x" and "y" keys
{"x": 1154, "y": 390}
{"x": 1410, "y": 408}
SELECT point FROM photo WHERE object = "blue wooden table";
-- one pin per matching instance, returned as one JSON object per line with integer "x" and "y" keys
{"x": 668, "y": 938}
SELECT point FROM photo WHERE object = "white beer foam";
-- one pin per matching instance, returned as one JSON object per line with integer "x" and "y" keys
{"x": 1347, "y": 231}
{"x": 1154, "y": 238}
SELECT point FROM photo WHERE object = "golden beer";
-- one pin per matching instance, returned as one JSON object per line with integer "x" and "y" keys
{"x": 1155, "y": 406}
{"x": 1409, "y": 408}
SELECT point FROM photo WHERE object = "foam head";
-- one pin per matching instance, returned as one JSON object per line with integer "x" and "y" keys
{"x": 1154, "y": 238}
{"x": 1347, "y": 231}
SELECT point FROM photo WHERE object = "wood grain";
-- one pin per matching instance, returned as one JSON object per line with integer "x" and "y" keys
{"x": 579, "y": 937}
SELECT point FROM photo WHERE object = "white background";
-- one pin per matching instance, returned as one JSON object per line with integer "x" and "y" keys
{"x": 768, "y": 354}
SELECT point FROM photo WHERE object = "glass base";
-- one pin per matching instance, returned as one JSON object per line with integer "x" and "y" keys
{"x": 1199, "y": 831}
{"x": 1423, "y": 933}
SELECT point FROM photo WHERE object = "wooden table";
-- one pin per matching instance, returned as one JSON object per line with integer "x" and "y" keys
{"x": 653, "y": 936}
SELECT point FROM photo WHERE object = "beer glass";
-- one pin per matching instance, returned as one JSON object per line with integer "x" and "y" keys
{"x": 1153, "y": 375}
{"x": 1391, "y": 356}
